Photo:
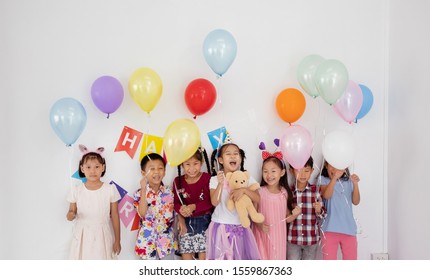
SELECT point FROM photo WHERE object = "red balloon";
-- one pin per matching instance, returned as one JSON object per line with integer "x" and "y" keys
{"x": 200, "y": 96}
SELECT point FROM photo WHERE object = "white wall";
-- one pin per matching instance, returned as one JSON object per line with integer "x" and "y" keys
{"x": 408, "y": 151}
{"x": 53, "y": 49}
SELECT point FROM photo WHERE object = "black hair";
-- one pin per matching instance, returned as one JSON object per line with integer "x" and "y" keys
{"x": 310, "y": 162}
{"x": 90, "y": 156}
{"x": 200, "y": 154}
{"x": 217, "y": 153}
{"x": 283, "y": 181}
{"x": 151, "y": 156}
{"x": 324, "y": 172}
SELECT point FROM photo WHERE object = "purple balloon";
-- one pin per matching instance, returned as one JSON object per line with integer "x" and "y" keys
{"x": 107, "y": 94}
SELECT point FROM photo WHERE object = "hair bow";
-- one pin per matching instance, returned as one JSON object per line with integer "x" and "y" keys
{"x": 265, "y": 154}
{"x": 277, "y": 154}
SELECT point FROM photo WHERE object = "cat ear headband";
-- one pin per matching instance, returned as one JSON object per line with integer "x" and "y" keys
{"x": 84, "y": 150}
{"x": 265, "y": 154}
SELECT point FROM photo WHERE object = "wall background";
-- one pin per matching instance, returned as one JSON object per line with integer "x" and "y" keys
{"x": 55, "y": 49}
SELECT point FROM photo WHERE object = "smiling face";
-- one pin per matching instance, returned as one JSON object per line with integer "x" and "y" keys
{"x": 154, "y": 172}
{"x": 192, "y": 167}
{"x": 272, "y": 173}
{"x": 230, "y": 158}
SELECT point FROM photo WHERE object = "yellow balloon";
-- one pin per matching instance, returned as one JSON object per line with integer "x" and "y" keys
{"x": 181, "y": 141}
{"x": 145, "y": 87}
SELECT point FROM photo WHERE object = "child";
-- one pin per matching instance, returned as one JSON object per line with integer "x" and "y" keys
{"x": 339, "y": 191}
{"x": 227, "y": 238}
{"x": 304, "y": 232}
{"x": 92, "y": 205}
{"x": 193, "y": 203}
{"x": 276, "y": 206}
{"x": 154, "y": 203}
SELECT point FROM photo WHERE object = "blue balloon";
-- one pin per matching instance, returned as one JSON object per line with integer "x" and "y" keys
{"x": 68, "y": 119}
{"x": 367, "y": 102}
{"x": 219, "y": 49}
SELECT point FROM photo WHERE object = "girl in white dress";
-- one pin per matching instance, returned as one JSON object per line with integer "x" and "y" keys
{"x": 93, "y": 205}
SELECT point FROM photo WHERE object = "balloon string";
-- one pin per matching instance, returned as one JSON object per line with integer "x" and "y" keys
{"x": 70, "y": 166}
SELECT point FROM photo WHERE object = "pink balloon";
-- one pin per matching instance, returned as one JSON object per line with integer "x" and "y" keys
{"x": 296, "y": 145}
{"x": 349, "y": 104}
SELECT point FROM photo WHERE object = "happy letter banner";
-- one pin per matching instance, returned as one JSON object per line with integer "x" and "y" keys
{"x": 129, "y": 141}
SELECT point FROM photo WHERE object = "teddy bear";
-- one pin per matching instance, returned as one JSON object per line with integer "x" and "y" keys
{"x": 244, "y": 206}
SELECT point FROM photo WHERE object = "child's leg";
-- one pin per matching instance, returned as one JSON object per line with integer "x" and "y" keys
{"x": 188, "y": 256}
{"x": 330, "y": 243}
{"x": 310, "y": 252}
{"x": 348, "y": 246}
{"x": 294, "y": 252}
{"x": 202, "y": 255}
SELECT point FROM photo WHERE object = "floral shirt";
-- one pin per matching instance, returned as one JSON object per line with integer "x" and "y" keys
{"x": 155, "y": 235}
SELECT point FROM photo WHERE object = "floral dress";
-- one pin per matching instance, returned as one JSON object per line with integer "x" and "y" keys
{"x": 155, "y": 238}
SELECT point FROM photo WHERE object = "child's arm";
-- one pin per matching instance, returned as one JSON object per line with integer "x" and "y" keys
{"x": 355, "y": 191}
{"x": 216, "y": 193}
{"x": 143, "y": 204}
{"x": 116, "y": 227}
{"x": 294, "y": 214}
{"x": 181, "y": 225}
{"x": 71, "y": 215}
{"x": 327, "y": 190}
{"x": 253, "y": 195}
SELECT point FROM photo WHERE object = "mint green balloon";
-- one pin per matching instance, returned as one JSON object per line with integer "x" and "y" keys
{"x": 331, "y": 80}
{"x": 306, "y": 73}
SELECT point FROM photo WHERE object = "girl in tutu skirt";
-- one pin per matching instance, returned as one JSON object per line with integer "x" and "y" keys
{"x": 227, "y": 239}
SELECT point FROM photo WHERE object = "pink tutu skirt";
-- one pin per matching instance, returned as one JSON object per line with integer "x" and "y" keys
{"x": 230, "y": 242}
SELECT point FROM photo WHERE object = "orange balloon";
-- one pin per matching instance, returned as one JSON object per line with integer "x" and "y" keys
{"x": 290, "y": 104}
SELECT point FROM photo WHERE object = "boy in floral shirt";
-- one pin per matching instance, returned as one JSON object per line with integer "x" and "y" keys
{"x": 155, "y": 238}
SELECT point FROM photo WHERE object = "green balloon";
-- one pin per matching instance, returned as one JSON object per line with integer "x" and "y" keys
{"x": 306, "y": 73}
{"x": 331, "y": 80}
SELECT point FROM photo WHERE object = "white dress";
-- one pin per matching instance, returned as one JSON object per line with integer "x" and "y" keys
{"x": 92, "y": 234}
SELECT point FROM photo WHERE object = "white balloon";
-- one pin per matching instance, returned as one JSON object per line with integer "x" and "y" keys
{"x": 338, "y": 149}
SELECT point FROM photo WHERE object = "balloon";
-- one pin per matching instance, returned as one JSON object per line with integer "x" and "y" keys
{"x": 367, "y": 102}
{"x": 145, "y": 87}
{"x": 290, "y": 104}
{"x": 296, "y": 145}
{"x": 68, "y": 119}
{"x": 306, "y": 73}
{"x": 348, "y": 105}
{"x": 107, "y": 94}
{"x": 200, "y": 96}
{"x": 181, "y": 141}
{"x": 338, "y": 149}
{"x": 331, "y": 80}
{"x": 219, "y": 50}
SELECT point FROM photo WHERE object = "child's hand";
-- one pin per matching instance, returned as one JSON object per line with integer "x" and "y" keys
{"x": 185, "y": 211}
{"x": 182, "y": 227}
{"x": 338, "y": 173}
{"x": 235, "y": 195}
{"x": 220, "y": 176}
{"x": 117, "y": 247}
{"x": 296, "y": 211}
{"x": 71, "y": 215}
{"x": 263, "y": 227}
{"x": 317, "y": 206}
{"x": 354, "y": 178}
{"x": 143, "y": 183}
